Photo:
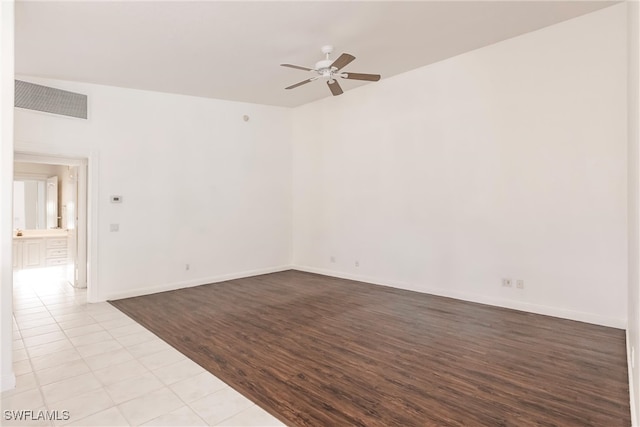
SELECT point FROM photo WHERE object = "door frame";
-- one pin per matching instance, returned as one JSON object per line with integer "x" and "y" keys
{"x": 87, "y": 162}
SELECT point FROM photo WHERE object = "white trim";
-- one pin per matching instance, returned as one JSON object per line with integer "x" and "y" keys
{"x": 7, "y": 62}
{"x": 191, "y": 283}
{"x": 21, "y": 176}
{"x": 27, "y": 157}
{"x": 7, "y": 382}
{"x": 93, "y": 194}
{"x": 562, "y": 313}
{"x": 81, "y": 248}
{"x": 74, "y": 156}
{"x": 632, "y": 399}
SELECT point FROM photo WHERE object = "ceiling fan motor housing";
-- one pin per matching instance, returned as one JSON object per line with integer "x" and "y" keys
{"x": 327, "y": 49}
{"x": 323, "y": 65}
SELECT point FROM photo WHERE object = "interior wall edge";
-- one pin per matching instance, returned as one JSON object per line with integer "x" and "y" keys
{"x": 633, "y": 200}
{"x": 632, "y": 399}
{"x": 191, "y": 283}
{"x": 618, "y": 323}
{"x": 7, "y": 375}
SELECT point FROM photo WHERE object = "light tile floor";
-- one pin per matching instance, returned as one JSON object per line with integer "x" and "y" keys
{"x": 106, "y": 369}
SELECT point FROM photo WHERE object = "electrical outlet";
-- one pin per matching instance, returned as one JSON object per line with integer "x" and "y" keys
{"x": 520, "y": 284}
{"x": 507, "y": 283}
{"x": 357, "y": 263}
{"x": 332, "y": 259}
{"x": 187, "y": 266}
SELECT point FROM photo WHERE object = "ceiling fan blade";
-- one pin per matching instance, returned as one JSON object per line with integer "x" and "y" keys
{"x": 304, "y": 82}
{"x": 342, "y": 61}
{"x": 361, "y": 76}
{"x": 334, "y": 87}
{"x": 297, "y": 67}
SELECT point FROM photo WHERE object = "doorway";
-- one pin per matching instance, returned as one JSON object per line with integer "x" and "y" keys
{"x": 53, "y": 189}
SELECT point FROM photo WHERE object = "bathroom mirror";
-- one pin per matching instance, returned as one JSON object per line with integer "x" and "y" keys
{"x": 35, "y": 202}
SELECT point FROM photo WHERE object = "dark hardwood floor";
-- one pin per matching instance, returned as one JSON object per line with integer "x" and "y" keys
{"x": 319, "y": 351}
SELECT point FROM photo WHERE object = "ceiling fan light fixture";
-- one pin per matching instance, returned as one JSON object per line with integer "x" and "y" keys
{"x": 330, "y": 69}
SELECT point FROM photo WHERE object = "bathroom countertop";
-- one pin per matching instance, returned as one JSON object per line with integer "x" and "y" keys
{"x": 39, "y": 234}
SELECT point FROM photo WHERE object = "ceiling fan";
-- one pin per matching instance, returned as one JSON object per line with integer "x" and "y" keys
{"x": 330, "y": 70}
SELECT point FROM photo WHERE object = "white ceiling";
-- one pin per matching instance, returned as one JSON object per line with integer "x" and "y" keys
{"x": 232, "y": 49}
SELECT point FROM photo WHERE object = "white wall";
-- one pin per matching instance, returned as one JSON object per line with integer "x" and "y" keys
{"x": 199, "y": 185}
{"x": 508, "y": 161}
{"x": 7, "y": 378}
{"x": 633, "y": 328}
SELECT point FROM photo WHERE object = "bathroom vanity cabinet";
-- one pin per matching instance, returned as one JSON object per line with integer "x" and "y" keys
{"x": 36, "y": 250}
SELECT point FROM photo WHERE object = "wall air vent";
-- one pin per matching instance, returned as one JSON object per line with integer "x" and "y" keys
{"x": 50, "y": 100}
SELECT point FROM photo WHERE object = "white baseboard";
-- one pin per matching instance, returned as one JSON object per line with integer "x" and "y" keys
{"x": 191, "y": 283}
{"x": 632, "y": 399}
{"x": 562, "y": 313}
{"x": 7, "y": 382}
